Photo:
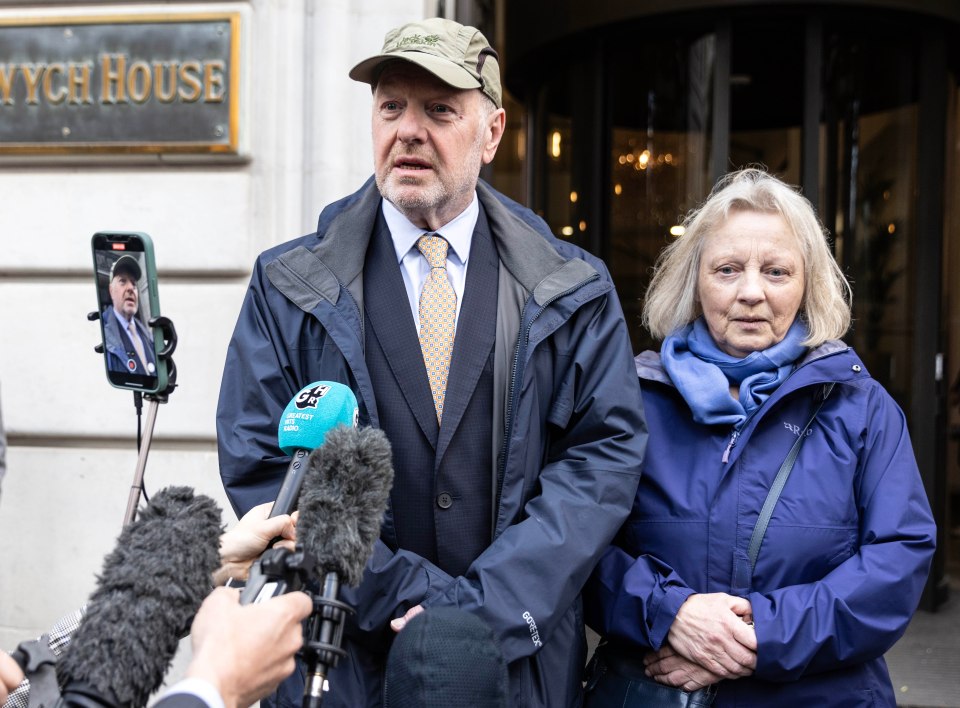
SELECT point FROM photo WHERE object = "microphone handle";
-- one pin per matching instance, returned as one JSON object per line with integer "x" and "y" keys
{"x": 289, "y": 492}
{"x": 269, "y": 575}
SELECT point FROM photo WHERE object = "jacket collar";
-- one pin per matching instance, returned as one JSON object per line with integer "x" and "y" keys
{"x": 306, "y": 276}
{"x": 529, "y": 257}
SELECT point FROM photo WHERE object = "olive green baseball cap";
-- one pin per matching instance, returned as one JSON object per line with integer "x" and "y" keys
{"x": 458, "y": 55}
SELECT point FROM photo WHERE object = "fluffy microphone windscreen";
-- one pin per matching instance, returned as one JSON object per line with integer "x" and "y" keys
{"x": 344, "y": 497}
{"x": 446, "y": 657}
{"x": 316, "y": 409}
{"x": 151, "y": 587}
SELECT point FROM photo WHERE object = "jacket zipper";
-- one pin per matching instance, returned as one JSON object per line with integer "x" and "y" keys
{"x": 508, "y": 427}
{"x": 733, "y": 441}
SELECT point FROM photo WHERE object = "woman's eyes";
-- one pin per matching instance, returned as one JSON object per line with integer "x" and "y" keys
{"x": 774, "y": 272}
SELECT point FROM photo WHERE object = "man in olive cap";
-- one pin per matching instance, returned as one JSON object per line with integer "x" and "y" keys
{"x": 128, "y": 344}
{"x": 493, "y": 355}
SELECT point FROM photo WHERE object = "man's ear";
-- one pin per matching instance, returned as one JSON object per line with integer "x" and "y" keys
{"x": 495, "y": 125}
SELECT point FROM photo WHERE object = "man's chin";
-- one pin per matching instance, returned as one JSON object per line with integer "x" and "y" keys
{"x": 410, "y": 196}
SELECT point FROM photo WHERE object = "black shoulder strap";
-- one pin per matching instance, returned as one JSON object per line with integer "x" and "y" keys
{"x": 778, "y": 484}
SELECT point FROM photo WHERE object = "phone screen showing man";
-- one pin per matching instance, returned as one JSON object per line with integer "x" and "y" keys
{"x": 125, "y": 309}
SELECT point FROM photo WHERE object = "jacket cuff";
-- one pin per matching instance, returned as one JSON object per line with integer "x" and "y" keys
{"x": 665, "y": 613}
{"x": 763, "y": 609}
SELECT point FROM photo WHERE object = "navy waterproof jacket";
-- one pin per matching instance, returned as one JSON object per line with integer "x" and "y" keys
{"x": 845, "y": 556}
{"x": 572, "y": 429}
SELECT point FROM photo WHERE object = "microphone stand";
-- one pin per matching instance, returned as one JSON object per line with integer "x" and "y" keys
{"x": 165, "y": 324}
{"x": 323, "y": 639}
{"x": 280, "y": 571}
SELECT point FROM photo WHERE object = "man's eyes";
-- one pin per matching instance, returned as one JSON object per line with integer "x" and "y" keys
{"x": 437, "y": 109}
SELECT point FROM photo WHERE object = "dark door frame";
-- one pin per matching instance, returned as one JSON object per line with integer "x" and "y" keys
{"x": 928, "y": 414}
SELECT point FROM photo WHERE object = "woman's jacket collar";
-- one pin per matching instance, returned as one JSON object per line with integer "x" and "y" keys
{"x": 650, "y": 368}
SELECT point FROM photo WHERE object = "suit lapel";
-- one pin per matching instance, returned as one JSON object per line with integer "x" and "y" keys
{"x": 385, "y": 302}
{"x": 476, "y": 331}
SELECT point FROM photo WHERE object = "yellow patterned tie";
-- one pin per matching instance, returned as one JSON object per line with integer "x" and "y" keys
{"x": 438, "y": 316}
{"x": 137, "y": 343}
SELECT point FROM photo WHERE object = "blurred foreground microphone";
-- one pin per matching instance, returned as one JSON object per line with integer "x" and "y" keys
{"x": 315, "y": 410}
{"x": 446, "y": 657}
{"x": 151, "y": 587}
{"x": 344, "y": 497}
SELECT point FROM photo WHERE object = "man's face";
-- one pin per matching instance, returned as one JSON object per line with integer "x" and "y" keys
{"x": 429, "y": 142}
{"x": 124, "y": 293}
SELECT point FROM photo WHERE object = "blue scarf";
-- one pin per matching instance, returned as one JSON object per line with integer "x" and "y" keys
{"x": 703, "y": 374}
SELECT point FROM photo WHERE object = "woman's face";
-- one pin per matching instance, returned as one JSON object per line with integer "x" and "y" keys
{"x": 750, "y": 283}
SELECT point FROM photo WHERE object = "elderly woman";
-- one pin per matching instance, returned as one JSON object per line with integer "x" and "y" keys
{"x": 781, "y": 535}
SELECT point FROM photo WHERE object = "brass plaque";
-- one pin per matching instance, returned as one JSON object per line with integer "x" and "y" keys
{"x": 149, "y": 84}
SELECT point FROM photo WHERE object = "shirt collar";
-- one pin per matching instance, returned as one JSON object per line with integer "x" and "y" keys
{"x": 458, "y": 232}
{"x": 125, "y": 323}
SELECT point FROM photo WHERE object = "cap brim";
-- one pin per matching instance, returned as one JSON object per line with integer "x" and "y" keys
{"x": 445, "y": 70}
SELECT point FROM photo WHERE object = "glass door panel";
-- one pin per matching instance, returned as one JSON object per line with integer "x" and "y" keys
{"x": 875, "y": 183}
{"x": 766, "y": 95}
{"x": 659, "y": 166}
{"x": 568, "y": 124}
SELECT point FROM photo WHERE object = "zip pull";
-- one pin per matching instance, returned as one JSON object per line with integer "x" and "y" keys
{"x": 733, "y": 441}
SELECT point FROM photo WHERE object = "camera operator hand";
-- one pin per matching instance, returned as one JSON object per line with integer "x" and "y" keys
{"x": 244, "y": 652}
{"x": 243, "y": 544}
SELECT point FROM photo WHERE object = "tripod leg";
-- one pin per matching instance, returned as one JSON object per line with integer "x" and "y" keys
{"x": 134, "y": 500}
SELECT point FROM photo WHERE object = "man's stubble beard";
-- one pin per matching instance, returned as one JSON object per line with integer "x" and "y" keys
{"x": 436, "y": 196}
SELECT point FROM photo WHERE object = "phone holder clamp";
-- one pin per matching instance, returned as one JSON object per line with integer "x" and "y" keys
{"x": 169, "y": 332}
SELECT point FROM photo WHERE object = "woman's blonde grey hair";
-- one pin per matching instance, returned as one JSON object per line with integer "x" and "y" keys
{"x": 672, "y": 302}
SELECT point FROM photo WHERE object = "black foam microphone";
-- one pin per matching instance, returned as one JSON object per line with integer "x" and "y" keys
{"x": 151, "y": 587}
{"x": 344, "y": 497}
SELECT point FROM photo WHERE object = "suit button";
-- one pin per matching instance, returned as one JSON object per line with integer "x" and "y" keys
{"x": 444, "y": 500}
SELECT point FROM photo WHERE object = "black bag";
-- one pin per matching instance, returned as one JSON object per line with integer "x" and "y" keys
{"x": 616, "y": 679}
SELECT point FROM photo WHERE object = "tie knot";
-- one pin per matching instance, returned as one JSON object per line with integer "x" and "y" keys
{"x": 434, "y": 249}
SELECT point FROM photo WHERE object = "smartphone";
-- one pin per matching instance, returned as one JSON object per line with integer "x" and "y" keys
{"x": 126, "y": 278}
